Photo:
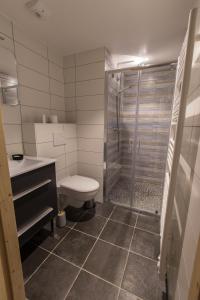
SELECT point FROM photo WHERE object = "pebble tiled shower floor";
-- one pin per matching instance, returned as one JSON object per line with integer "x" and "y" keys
{"x": 148, "y": 197}
{"x": 113, "y": 256}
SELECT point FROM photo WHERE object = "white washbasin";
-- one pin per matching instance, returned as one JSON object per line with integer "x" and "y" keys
{"x": 28, "y": 163}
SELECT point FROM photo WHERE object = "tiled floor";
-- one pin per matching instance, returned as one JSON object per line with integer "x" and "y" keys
{"x": 111, "y": 257}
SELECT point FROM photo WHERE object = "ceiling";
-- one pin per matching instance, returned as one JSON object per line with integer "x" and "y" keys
{"x": 153, "y": 29}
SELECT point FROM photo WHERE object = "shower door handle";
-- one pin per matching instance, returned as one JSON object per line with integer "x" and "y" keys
{"x": 130, "y": 149}
{"x": 138, "y": 146}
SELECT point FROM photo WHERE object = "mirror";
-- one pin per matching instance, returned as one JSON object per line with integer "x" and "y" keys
{"x": 8, "y": 78}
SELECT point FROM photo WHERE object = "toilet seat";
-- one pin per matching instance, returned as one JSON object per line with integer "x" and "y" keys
{"x": 79, "y": 184}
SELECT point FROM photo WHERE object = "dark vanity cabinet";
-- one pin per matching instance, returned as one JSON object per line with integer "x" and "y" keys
{"x": 35, "y": 200}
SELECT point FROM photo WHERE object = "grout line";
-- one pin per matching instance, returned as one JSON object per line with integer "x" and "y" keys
{"x": 50, "y": 252}
{"x": 88, "y": 255}
{"x": 91, "y": 79}
{"x": 82, "y": 267}
{"x": 127, "y": 256}
{"x": 37, "y": 269}
{"x": 101, "y": 278}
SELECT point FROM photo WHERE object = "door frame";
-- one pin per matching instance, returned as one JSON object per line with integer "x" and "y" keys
{"x": 11, "y": 276}
{"x": 194, "y": 292}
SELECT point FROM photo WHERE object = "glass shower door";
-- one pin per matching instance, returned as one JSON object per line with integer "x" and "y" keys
{"x": 120, "y": 144}
{"x": 153, "y": 122}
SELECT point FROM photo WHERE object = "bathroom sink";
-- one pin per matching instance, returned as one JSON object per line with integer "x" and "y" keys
{"x": 29, "y": 163}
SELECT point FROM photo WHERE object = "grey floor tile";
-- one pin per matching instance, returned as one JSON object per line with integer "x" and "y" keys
{"x": 89, "y": 287}
{"x": 124, "y": 295}
{"x": 52, "y": 281}
{"x": 107, "y": 261}
{"x": 75, "y": 247}
{"x": 44, "y": 238}
{"x": 145, "y": 243}
{"x": 93, "y": 226}
{"x": 118, "y": 234}
{"x": 141, "y": 278}
{"x": 104, "y": 209}
{"x": 124, "y": 215}
{"x": 32, "y": 256}
{"x": 149, "y": 222}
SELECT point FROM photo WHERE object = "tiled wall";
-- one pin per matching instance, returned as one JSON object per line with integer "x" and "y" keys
{"x": 41, "y": 84}
{"x": 156, "y": 86}
{"x": 57, "y": 141}
{"x": 186, "y": 221}
{"x": 84, "y": 76}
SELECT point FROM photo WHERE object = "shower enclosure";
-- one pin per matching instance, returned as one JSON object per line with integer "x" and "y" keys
{"x": 138, "y": 117}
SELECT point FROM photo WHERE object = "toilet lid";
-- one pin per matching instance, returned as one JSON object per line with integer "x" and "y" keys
{"x": 80, "y": 183}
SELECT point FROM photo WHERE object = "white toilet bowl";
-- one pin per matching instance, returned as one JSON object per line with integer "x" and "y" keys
{"x": 79, "y": 187}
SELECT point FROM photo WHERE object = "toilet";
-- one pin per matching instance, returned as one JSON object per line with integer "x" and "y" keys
{"x": 80, "y": 189}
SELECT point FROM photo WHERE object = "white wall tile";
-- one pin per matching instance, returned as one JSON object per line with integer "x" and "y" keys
{"x": 90, "y": 56}
{"x": 14, "y": 148}
{"x": 71, "y": 158}
{"x": 28, "y": 132}
{"x": 55, "y": 57}
{"x": 30, "y": 149}
{"x": 30, "y": 59}
{"x": 31, "y": 97}
{"x": 32, "y": 79}
{"x": 95, "y": 158}
{"x": 94, "y": 145}
{"x": 71, "y": 117}
{"x": 60, "y": 162}
{"x": 56, "y": 72}
{"x": 33, "y": 114}
{"x": 90, "y": 71}
{"x": 6, "y": 42}
{"x": 48, "y": 150}
{"x": 60, "y": 174}
{"x": 71, "y": 145}
{"x": 56, "y": 87}
{"x": 70, "y": 104}
{"x": 90, "y": 117}
{"x": 61, "y": 115}
{"x": 69, "y": 75}
{"x": 90, "y": 87}
{"x": 90, "y": 131}
{"x": 29, "y": 42}
{"x": 69, "y": 90}
{"x": 99, "y": 196}
{"x": 57, "y": 103}
{"x": 11, "y": 114}
{"x": 73, "y": 169}
{"x": 5, "y": 26}
{"x": 90, "y": 170}
{"x": 70, "y": 130}
{"x": 191, "y": 236}
{"x": 44, "y": 132}
{"x": 69, "y": 61}
{"x": 90, "y": 102}
{"x": 13, "y": 134}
